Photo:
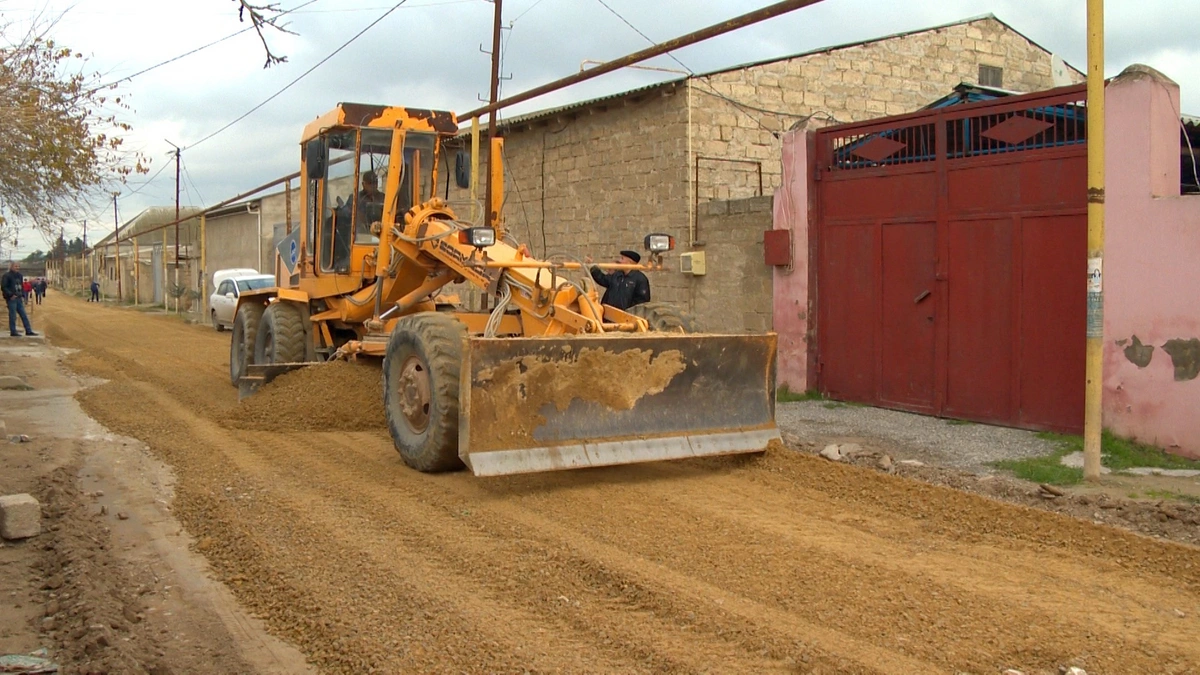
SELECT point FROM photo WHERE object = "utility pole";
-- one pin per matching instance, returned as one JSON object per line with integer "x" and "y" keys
{"x": 117, "y": 241}
{"x": 1093, "y": 418}
{"x": 178, "y": 151}
{"x": 493, "y": 215}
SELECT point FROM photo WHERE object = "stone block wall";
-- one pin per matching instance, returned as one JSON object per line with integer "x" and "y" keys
{"x": 892, "y": 76}
{"x": 734, "y": 296}
{"x": 593, "y": 183}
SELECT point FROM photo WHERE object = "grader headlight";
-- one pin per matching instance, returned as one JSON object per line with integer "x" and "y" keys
{"x": 659, "y": 243}
{"x": 479, "y": 237}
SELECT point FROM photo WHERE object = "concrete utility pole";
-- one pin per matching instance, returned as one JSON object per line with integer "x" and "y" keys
{"x": 1093, "y": 418}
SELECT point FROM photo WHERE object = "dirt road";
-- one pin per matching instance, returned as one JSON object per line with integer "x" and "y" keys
{"x": 780, "y": 563}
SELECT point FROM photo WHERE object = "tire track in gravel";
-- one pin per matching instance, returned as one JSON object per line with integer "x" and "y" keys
{"x": 782, "y": 562}
{"x": 352, "y": 578}
{"x": 558, "y": 555}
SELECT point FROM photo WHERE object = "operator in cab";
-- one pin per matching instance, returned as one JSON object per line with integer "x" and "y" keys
{"x": 623, "y": 288}
{"x": 370, "y": 205}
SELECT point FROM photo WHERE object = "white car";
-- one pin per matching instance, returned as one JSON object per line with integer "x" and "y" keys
{"x": 230, "y": 285}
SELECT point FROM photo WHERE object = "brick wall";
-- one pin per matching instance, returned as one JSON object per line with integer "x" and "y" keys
{"x": 734, "y": 296}
{"x": 888, "y": 77}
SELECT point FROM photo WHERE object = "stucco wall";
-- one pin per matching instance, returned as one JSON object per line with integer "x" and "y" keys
{"x": 790, "y": 304}
{"x": 1151, "y": 283}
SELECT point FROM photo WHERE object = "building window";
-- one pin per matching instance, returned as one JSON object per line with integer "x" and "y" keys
{"x": 991, "y": 76}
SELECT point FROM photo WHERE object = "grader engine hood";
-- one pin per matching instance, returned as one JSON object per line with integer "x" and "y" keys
{"x": 540, "y": 404}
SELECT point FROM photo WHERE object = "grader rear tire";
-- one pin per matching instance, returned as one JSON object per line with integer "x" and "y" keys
{"x": 241, "y": 345}
{"x": 420, "y": 390}
{"x": 281, "y": 336}
{"x": 664, "y": 317}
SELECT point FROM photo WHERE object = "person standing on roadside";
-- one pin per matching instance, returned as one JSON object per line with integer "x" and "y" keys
{"x": 12, "y": 284}
{"x": 95, "y": 291}
{"x": 39, "y": 290}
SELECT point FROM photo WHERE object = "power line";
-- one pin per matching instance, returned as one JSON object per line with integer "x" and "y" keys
{"x": 188, "y": 175}
{"x": 185, "y": 54}
{"x": 147, "y": 182}
{"x": 530, "y": 9}
{"x": 301, "y": 76}
{"x": 744, "y": 107}
{"x": 372, "y": 9}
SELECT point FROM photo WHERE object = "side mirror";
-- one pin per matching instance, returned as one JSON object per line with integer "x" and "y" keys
{"x": 314, "y": 157}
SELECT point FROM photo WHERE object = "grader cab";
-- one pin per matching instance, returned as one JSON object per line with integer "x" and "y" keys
{"x": 545, "y": 378}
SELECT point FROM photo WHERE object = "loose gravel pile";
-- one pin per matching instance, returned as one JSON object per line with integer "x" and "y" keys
{"x": 336, "y": 396}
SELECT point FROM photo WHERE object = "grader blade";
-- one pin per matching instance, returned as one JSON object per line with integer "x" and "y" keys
{"x": 542, "y": 404}
{"x": 258, "y": 374}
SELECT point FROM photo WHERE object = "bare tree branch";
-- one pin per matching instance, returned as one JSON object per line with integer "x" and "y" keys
{"x": 264, "y": 16}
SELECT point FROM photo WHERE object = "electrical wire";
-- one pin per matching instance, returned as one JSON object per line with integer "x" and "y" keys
{"x": 497, "y": 315}
{"x": 188, "y": 176}
{"x": 530, "y": 9}
{"x": 289, "y": 85}
{"x": 711, "y": 91}
{"x": 146, "y": 183}
{"x": 189, "y": 53}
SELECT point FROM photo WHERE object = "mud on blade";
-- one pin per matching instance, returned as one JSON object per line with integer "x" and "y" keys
{"x": 542, "y": 404}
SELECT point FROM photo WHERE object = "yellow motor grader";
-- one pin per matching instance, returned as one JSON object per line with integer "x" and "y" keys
{"x": 546, "y": 378}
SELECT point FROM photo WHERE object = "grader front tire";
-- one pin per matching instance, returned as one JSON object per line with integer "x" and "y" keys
{"x": 664, "y": 317}
{"x": 241, "y": 344}
{"x": 281, "y": 337}
{"x": 420, "y": 390}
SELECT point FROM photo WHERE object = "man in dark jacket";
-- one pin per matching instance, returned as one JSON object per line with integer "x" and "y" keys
{"x": 95, "y": 289}
{"x": 13, "y": 286}
{"x": 624, "y": 289}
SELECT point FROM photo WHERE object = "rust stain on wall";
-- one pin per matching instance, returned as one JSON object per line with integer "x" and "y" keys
{"x": 1185, "y": 355}
{"x": 1138, "y": 353}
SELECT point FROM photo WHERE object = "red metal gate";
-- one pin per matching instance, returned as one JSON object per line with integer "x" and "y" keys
{"x": 950, "y": 250}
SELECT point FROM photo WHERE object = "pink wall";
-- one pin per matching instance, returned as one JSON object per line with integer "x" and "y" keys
{"x": 1151, "y": 268}
{"x": 790, "y": 303}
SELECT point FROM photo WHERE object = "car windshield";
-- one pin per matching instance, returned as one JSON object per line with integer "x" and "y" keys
{"x": 255, "y": 284}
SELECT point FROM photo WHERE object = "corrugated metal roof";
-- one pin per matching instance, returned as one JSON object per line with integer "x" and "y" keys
{"x": 550, "y": 112}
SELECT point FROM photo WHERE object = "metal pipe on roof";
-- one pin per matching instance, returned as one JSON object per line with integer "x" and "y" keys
{"x": 714, "y": 30}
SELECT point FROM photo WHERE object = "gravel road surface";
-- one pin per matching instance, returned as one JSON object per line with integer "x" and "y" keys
{"x": 776, "y": 563}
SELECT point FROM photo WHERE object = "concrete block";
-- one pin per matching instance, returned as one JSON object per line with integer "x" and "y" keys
{"x": 13, "y": 383}
{"x": 20, "y": 516}
{"x": 716, "y": 208}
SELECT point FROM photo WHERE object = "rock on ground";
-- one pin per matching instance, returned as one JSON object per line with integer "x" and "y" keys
{"x": 20, "y": 516}
{"x": 832, "y": 453}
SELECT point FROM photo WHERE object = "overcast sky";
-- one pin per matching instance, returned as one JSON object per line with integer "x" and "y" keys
{"x": 426, "y": 54}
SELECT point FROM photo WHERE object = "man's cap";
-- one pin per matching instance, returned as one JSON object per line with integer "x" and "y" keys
{"x": 632, "y": 255}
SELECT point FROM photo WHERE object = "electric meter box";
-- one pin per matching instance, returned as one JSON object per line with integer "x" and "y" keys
{"x": 692, "y": 263}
